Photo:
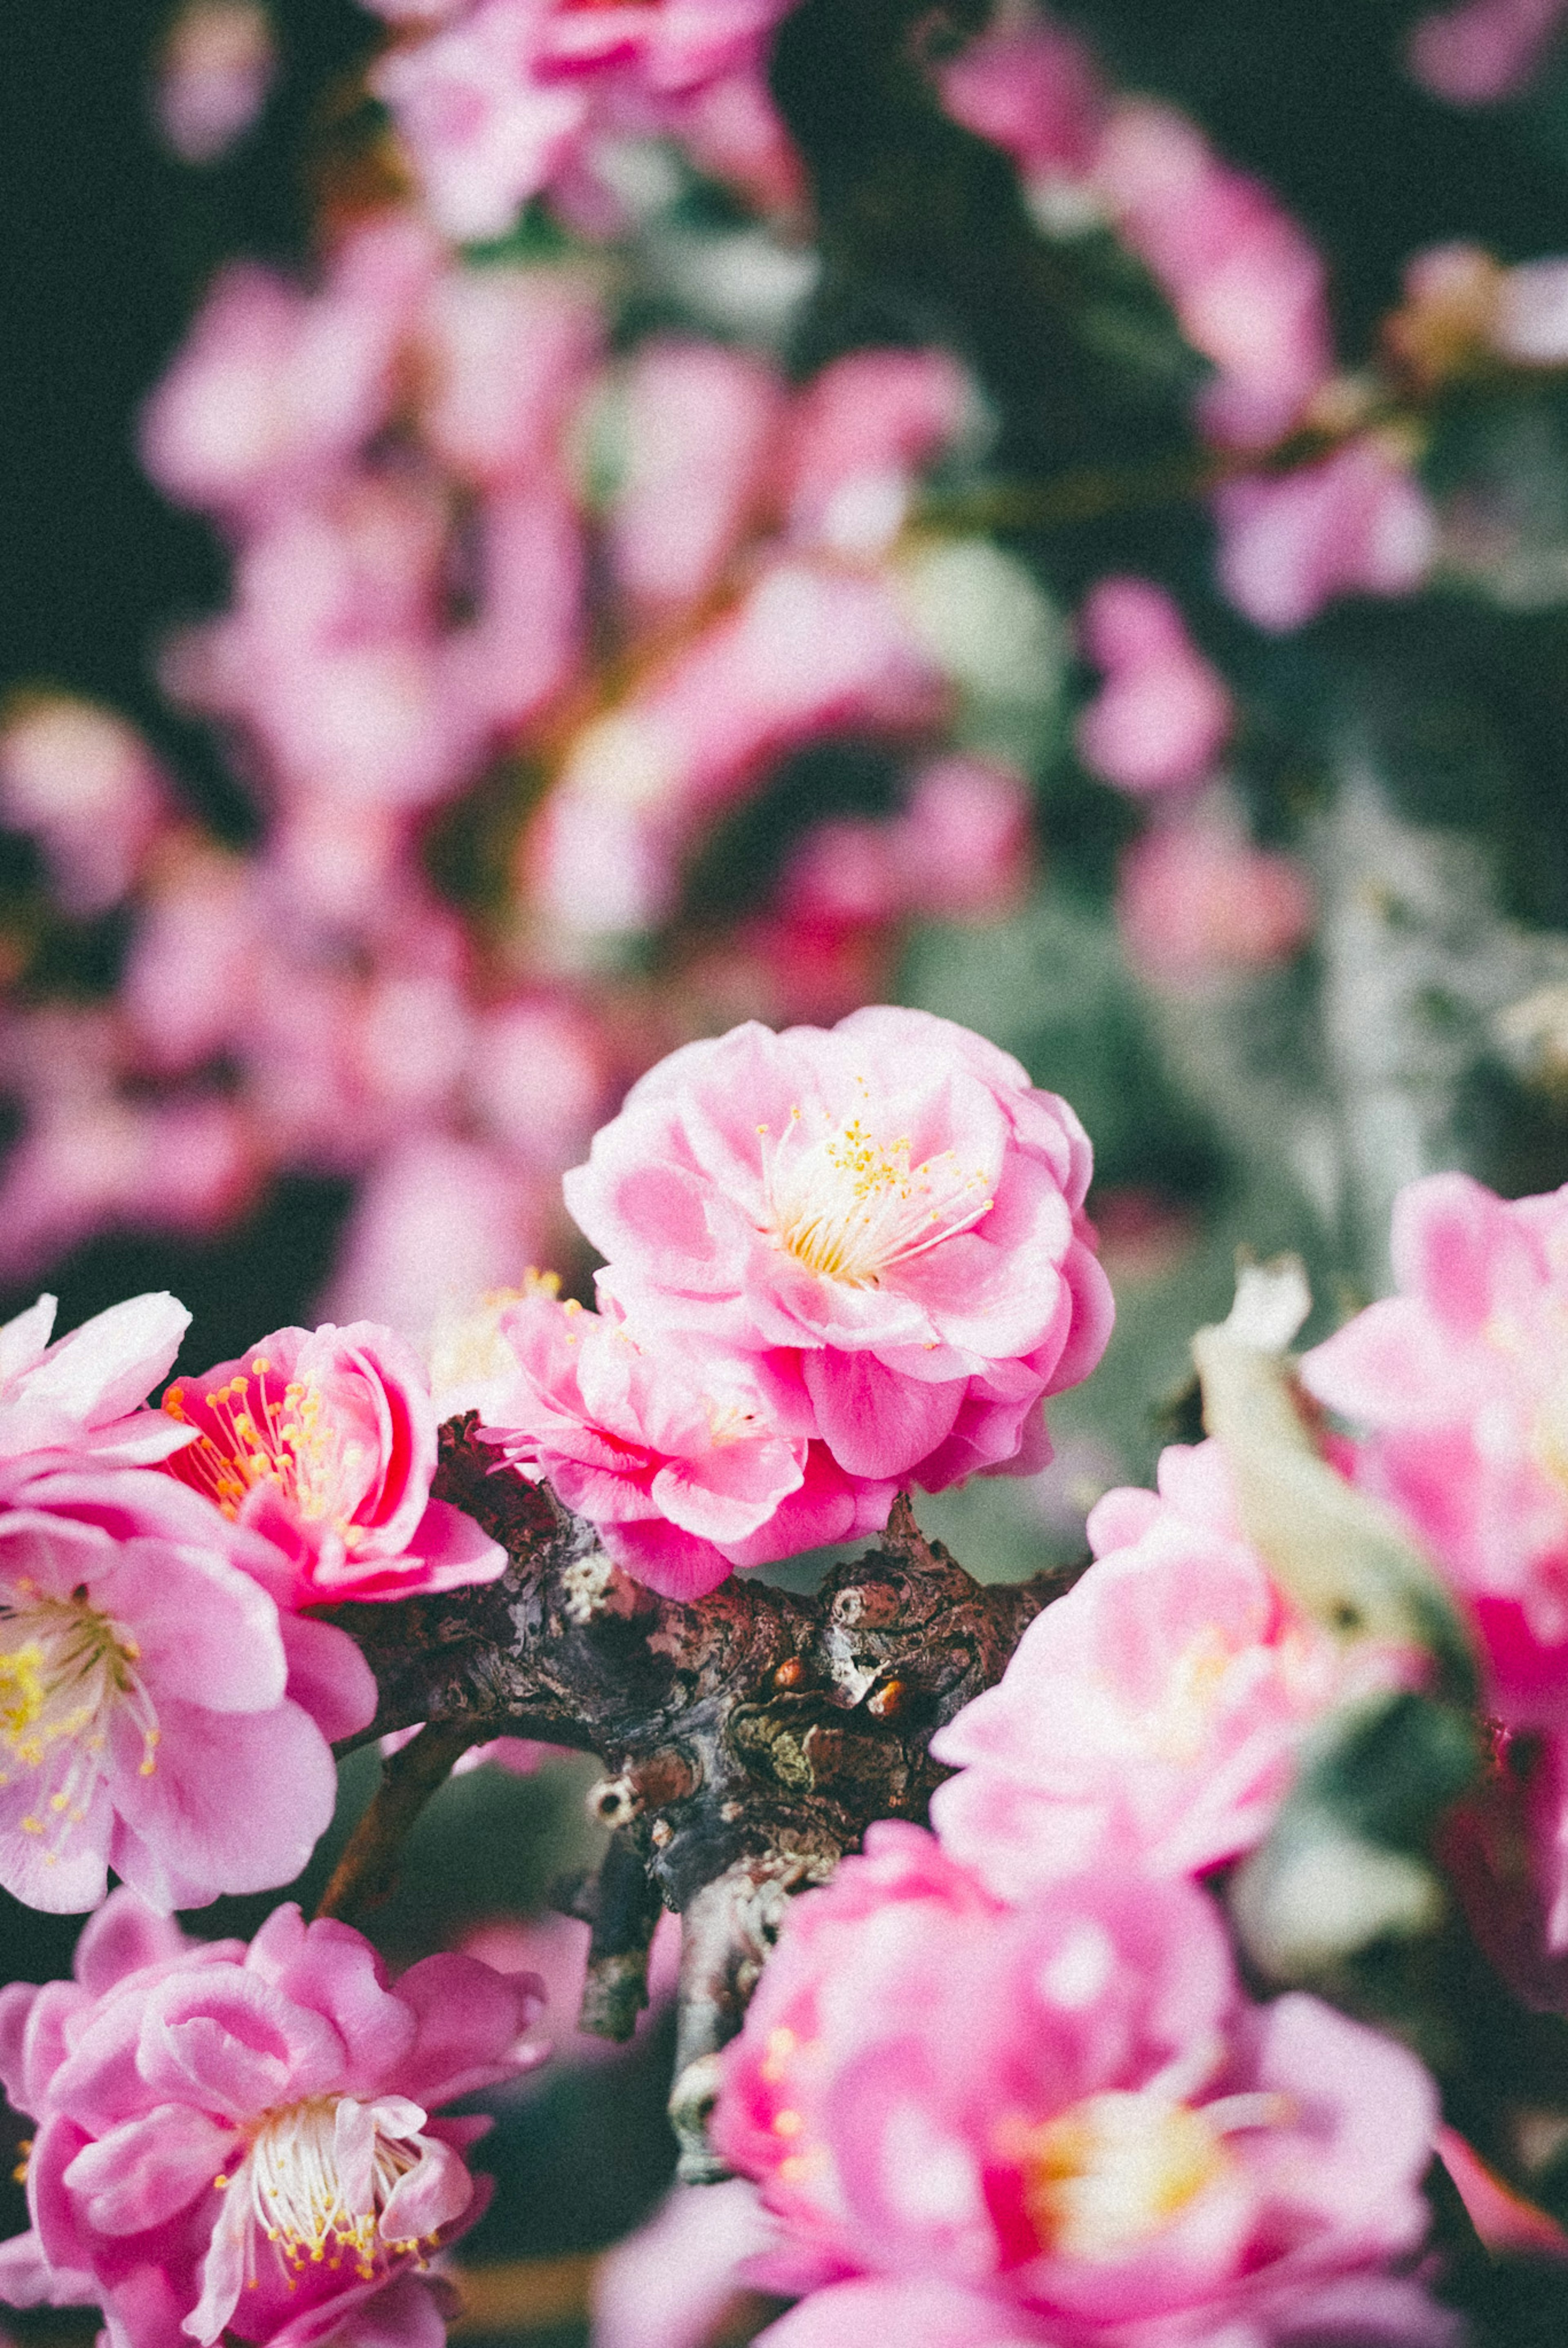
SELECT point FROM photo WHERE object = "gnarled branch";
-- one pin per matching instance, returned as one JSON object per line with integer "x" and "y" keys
{"x": 748, "y": 1738}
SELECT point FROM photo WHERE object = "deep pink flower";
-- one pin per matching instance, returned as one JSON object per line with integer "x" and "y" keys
{"x": 324, "y": 1440}
{"x": 1156, "y": 1710}
{"x": 237, "y": 2142}
{"x": 889, "y": 1200}
{"x": 157, "y": 1715}
{"x": 1354, "y": 523}
{"x": 689, "y": 1456}
{"x": 1164, "y": 714}
{"x": 1067, "y": 2107}
{"x": 83, "y": 1397}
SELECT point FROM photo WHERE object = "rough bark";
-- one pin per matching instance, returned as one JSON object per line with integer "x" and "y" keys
{"x": 748, "y": 1738}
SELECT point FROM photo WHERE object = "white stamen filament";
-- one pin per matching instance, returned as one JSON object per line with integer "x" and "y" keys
{"x": 259, "y": 1440}
{"x": 1108, "y": 2173}
{"x": 295, "y": 2195}
{"x": 853, "y": 1207}
{"x": 64, "y": 1671}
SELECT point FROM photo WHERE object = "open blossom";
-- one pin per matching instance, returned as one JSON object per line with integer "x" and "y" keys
{"x": 237, "y": 2143}
{"x": 1196, "y": 899}
{"x": 157, "y": 1715}
{"x": 1156, "y": 1710}
{"x": 1067, "y": 2112}
{"x": 324, "y": 1440}
{"x": 1163, "y": 716}
{"x": 84, "y": 1396}
{"x": 889, "y": 1203}
{"x": 689, "y": 1456}
{"x": 1480, "y": 51}
{"x": 1354, "y": 523}
{"x": 507, "y": 98}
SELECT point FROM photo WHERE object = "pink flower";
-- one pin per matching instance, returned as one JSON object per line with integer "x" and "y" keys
{"x": 1164, "y": 715}
{"x": 688, "y": 1456}
{"x": 1067, "y": 2108}
{"x": 1195, "y": 900}
{"x": 237, "y": 2142}
{"x": 860, "y": 434}
{"x": 511, "y": 96}
{"x": 158, "y": 1717}
{"x": 1354, "y": 523}
{"x": 673, "y": 2284}
{"x": 1459, "y": 1383}
{"x": 1156, "y": 1710}
{"x": 510, "y": 352}
{"x": 91, "y": 792}
{"x": 1030, "y": 87}
{"x": 698, "y": 422}
{"x": 889, "y": 1200}
{"x": 1482, "y": 50}
{"x": 963, "y": 843}
{"x": 324, "y": 1441}
{"x": 83, "y": 1397}
{"x": 217, "y": 66}
{"x": 1531, "y": 325}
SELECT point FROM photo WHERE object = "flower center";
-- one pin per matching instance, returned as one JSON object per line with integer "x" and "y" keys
{"x": 266, "y": 1437}
{"x": 64, "y": 1670}
{"x": 318, "y": 2176}
{"x": 853, "y": 1207}
{"x": 1106, "y": 2175}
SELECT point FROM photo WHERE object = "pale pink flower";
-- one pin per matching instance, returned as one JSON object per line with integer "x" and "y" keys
{"x": 963, "y": 842}
{"x": 697, "y": 422}
{"x": 689, "y": 1457}
{"x": 1482, "y": 50}
{"x": 1164, "y": 714}
{"x": 526, "y": 639}
{"x": 1197, "y": 902}
{"x": 539, "y": 1078}
{"x": 508, "y": 354}
{"x": 1248, "y": 284}
{"x": 502, "y": 102}
{"x": 199, "y": 929}
{"x": 83, "y": 1397}
{"x": 1030, "y": 87}
{"x": 275, "y": 388}
{"x": 859, "y": 435}
{"x": 1156, "y": 1710}
{"x": 324, "y": 1440}
{"x": 1068, "y": 2108}
{"x": 238, "y": 2142}
{"x": 218, "y": 62}
{"x": 159, "y": 1717}
{"x": 1353, "y": 523}
{"x": 889, "y": 1200}
{"x": 671, "y": 2283}
{"x": 1530, "y": 322}
{"x": 1459, "y": 1385}
{"x": 88, "y": 790}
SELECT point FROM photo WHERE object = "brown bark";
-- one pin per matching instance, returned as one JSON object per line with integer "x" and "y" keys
{"x": 748, "y": 1738}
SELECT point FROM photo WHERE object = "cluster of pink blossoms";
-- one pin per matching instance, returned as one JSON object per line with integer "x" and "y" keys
{"x": 166, "y": 1709}
{"x": 237, "y": 2143}
{"x": 839, "y": 1263}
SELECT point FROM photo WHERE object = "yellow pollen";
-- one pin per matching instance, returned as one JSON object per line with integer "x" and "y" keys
{"x": 24, "y": 2148}
{"x": 852, "y": 1208}
{"x": 292, "y": 2194}
{"x": 1106, "y": 2175}
{"x": 788, "y": 2124}
{"x": 64, "y": 1669}
{"x": 253, "y": 1435}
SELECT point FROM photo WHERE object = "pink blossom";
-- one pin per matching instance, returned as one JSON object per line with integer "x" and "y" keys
{"x": 1156, "y": 1710}
{"x": 324, "y": 1440}
{"x": 238, "y": 2142}
{"x": 1353, "y": 523}
{"x": 891, "y": 1202}
{"x": 84, "y": 1396}
{"x": 698, "y": 422}
{"x": 539, "y": 1077}
{"x": 1530, "y": 324}
{"x": 1164, "y": 715}
{"x": 1458, "y": 1382}
{"x": 512, "y": 95}
{"x": 1195, "y": 900}
{"x": 160, "y": 1718}
{"x": 963, "y": 842}
{"x": 1066, "y": 2108}
{"x": 218, "y": 63}
{"x": 509, "y": 351}
{"x": 1482, "y": 50}
{"x": 274, "y": 389}
{"x": 673, "y": 2284}
{"x": 554, "y": 1949}
{"x": 1030, "y": 87}
{"x": 688, "y": 1457}
{"x": 859, "y": 435}
{"x": 91, "y": 792}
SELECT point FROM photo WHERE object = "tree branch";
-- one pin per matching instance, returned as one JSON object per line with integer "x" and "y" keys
{"x": 748, "y": 1738}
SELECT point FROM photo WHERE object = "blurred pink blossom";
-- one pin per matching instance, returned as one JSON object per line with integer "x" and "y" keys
{"x": 671, "y": 2283}
{"x": 1482, "y": 50}
{"x": 239, "y": 2140}
{"x": 1030, "y": 87}
{"x": 216, "y": 67}
{"x": 697, "y": 423}
{"x": 88, "y": 790}
{"x": 1067, "y": 2110}
{"x": 506, "y": 353}
{"x": 1164, "y": 715}
{"x": 1156, "y": 1710}
{"x": 1353, "y": 523}
{"x": 1530, "y": 324}
{"x": 1196, "y": 901}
